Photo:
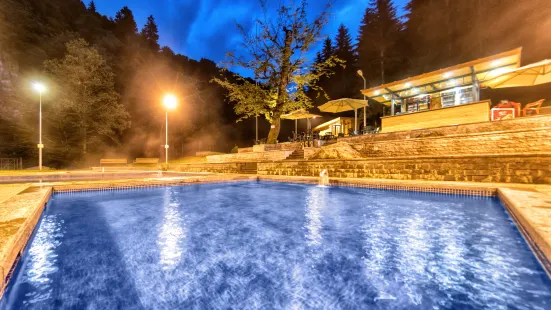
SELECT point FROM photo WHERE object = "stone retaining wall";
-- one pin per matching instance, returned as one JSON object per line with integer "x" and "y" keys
{"x": 528, "y": 141}
{"x": 245, "y": 150}
{"x": 249, "y": 157}
{"x": 212, "y": 168}
{"x": 286, "y": 146}
{"x": 206, "y": 153}
{"x": 310, "y": 151}
{"x": 511, "y": 168}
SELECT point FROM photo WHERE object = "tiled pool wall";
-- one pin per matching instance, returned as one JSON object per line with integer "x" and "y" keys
{"x": 134, "y": 184}
{"x": 440, "y": 189}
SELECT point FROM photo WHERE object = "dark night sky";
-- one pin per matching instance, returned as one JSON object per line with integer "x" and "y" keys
{"x": 206, "y": 28}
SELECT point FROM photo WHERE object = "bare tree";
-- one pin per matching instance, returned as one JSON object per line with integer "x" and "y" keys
{"x": 276, "y": 52}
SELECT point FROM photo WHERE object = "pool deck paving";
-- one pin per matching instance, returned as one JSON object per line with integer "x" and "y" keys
{"x": 21, "y": 205}
{"x": 8, "y": 191}
{"x": 19, "y": 214}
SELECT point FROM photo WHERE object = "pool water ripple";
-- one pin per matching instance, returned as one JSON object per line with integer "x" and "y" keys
{"x": 261, "y": 245}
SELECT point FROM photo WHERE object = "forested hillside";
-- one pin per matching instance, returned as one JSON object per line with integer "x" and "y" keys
{"x": 34, "y": 35}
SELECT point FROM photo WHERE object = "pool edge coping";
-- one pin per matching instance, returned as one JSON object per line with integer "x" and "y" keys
{"x": 540, "y": 246}
{"x": 21, "y": 239}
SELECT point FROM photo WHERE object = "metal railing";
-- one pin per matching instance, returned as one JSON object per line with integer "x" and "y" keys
{"x": 11, "y": 163}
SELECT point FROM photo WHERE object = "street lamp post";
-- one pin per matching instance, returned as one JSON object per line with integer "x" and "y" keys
{"x": 361, "y": 74}
{"x": 40, "y": 88}
{"x": 170, "y": 103}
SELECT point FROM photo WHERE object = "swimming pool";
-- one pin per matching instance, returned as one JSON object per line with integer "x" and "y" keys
{"x": 262, "y": 245}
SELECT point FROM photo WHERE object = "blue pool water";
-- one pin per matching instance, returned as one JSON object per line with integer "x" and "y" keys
{"x": 266, "y": 245}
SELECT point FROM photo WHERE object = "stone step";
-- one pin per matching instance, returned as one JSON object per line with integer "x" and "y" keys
{"x": 297, "y": 154}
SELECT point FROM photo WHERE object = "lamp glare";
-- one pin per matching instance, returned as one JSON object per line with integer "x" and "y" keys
{"x": 170, "y": 101}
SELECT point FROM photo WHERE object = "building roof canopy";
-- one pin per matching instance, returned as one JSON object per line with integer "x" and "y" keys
{"x": 448, "y": 78}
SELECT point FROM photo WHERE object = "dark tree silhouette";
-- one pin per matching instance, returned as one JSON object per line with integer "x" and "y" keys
{"x": 92, "y": 7}
{"x": 125, "y": 25}
{"x": 150, "y": 34}
{"x": 348, "y": 85}
{"x": 379, "y": 42}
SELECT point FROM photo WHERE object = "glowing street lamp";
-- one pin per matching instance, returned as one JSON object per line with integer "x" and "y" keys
{"x": 170, "y": 102}
{"x": 40, "y": 88}
{"x": 361, "y": 74}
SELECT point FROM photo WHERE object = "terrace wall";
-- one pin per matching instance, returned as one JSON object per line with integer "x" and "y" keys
{"x": 245, "y": 150}
{"x": 287, "y": 146}
{"x": 522, "y": 123}
{"x": 511, "y": 168}
{"x": 526, "y": 141}
{"x": 206, "y": 153}
{"x": 249, "y": 157}
{"x": 212, "y": 168}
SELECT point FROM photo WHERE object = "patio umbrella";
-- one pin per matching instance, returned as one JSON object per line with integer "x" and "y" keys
{"x": 300, "y": 114}
{"x": 530, "y": 75}
{"x": 342, "y": 105}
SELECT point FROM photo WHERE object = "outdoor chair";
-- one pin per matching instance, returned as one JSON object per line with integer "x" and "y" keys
{"x": 367, "y": 130}
{"x": 532, "y": 108}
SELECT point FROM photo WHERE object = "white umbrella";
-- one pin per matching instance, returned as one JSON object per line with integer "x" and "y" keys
{"x": 300, "y": 114}
{"x": 342, "y": 105}
{"x": 530, "y": 75}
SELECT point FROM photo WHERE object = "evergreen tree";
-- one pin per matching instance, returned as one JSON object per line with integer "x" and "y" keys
{"x": 150, "y": 34}
{"x": 87, "y": 103}
{"x": 92, "y": 7}
{"x": 167, "y": 51}
{"x": 125, "y": 25}
{"x": 327, "y": 50}
{"x": 430, "y": 36}
{"x": 326, "y": 88}
{"x": 343, "y": 43}
{"x": 379, "y": 42}
{"x": 318, "y": 95}
{"x": 347, "y": 86}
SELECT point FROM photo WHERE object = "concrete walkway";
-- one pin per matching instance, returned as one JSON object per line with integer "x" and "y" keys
{"x": 18, "y": 217}
{"x": 8, "y": 191}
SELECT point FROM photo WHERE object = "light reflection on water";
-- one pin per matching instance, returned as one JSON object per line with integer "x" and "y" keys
{"x": 276, "y": 246}
{"x": 315, "y": 203}
{"x": 42, "y": 259}
{"x": 172, "y": 232}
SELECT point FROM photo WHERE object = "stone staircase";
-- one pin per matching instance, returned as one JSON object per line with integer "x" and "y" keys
{"x": 297, "y": 154}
